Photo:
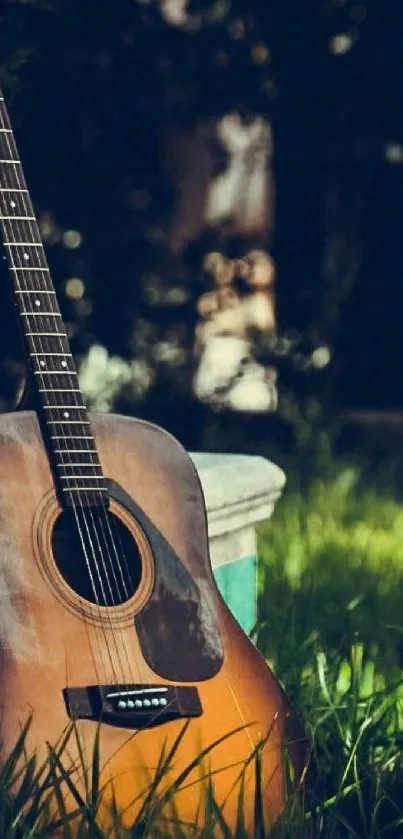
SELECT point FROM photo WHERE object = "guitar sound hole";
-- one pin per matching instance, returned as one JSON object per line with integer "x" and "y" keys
{"x": 96, "y": 555}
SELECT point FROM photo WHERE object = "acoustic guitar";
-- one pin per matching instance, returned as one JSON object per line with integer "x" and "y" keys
{"x": 113, "y": 615}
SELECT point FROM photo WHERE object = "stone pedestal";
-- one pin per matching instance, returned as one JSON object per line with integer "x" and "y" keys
{"x": 240, "y": 491}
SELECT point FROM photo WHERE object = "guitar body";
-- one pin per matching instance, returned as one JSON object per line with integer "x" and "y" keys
{"x": 50, "y": 641}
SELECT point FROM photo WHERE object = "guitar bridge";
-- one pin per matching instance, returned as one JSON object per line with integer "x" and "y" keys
{"x": 132, "y": 706}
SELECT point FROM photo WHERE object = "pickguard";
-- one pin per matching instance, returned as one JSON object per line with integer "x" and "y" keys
{"x": 178, "y": 628}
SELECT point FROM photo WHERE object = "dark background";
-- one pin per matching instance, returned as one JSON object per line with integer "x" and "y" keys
{"x": 90, "y": 84}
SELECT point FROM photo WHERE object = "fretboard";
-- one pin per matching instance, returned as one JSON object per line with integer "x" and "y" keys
{"x": 63, "y": 414}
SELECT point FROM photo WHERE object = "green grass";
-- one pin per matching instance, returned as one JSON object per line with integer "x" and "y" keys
{"x": 33, "y": 797}
{"x": 331, "y": 625}
{"x": 333, "y": 558}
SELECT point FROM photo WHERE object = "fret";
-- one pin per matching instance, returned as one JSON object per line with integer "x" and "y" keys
{"x": 44, "y": 335}
{"x": 72, "y": 437}
{"x": 75, "y": 451}
{"x": 12, "y": 162}
{"x": 62, "y": 354}
{"x": 64, "y": 407}
{"x": 66, "y": 462}
{"x": 55, "y": 373}
{"x": 22, "y": 244}
{"x": 34, "y": 291}
{"x": 17, "y": 218}
{"x": 87, "y": 489}
{"x": 36, "y": 267}
{"x": 5, "y": 131}
{"x": 14, "y": 189}
{"x": 98, "y": 493}
{"x": 81, "y": 465}
{"x": 40, "y": 314}
{"x": 34, "y": 338}
{"x": 69, "y": 422}
{"x": 49, "y": 383}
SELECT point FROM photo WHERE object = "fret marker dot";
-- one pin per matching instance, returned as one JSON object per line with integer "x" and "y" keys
{"x": 66, "y": 414}
{"x": 13, "y": 204}
{"x": 26, "y": 256}
{"x": 64, "y": 363}
{"x": 42, "y": 363}
{"x": 37, "y": 303}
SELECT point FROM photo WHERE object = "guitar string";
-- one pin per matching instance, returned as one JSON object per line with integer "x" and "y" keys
{"x": 107, "y": 519}
{"x": 19, "y": 190}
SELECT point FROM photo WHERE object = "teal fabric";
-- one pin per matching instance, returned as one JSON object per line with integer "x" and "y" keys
{"x": 237, "y": 582}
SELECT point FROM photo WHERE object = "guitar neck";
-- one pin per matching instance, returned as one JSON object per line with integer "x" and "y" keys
{"x": 62, "y": 411}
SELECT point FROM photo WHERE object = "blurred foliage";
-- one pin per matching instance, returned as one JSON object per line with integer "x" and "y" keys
{"x": 92, "y": 87}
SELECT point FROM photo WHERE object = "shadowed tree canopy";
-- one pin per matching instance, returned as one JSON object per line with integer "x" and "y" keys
{"x": 91, "y": 87}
